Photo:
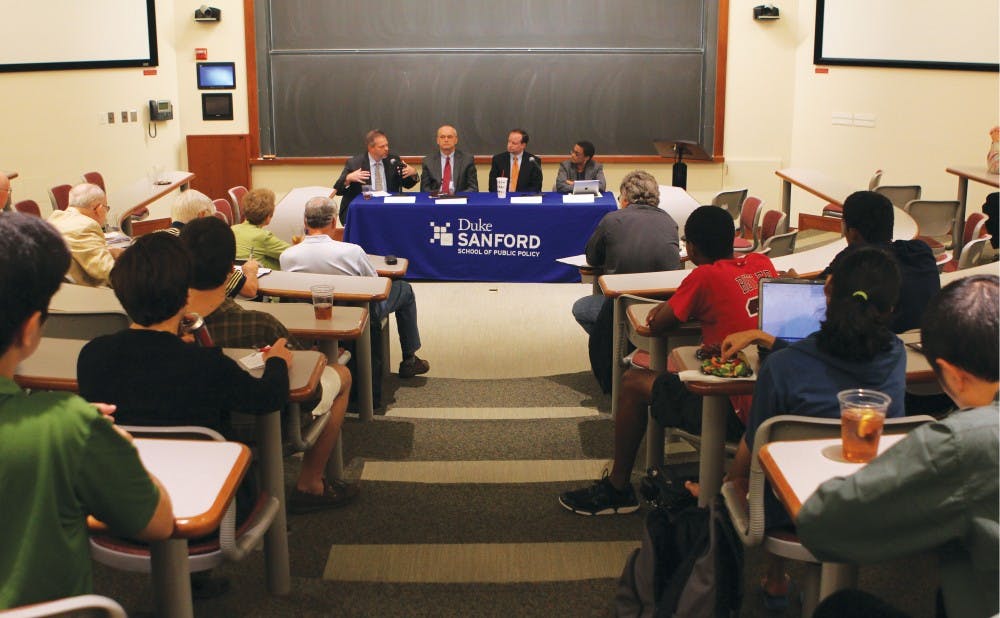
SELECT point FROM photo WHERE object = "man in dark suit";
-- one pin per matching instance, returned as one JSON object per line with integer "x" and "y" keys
{"x": 448, "y": 162}
{"x": 518, "y": 165}
{"x": 378, "y": 167}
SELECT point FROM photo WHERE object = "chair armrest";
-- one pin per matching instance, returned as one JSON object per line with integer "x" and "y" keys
{"x": 236, "y": 548}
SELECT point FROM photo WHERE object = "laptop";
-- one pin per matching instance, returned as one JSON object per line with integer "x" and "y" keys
{"x": 592, "y": 187}
{"x": 791, "y": 309}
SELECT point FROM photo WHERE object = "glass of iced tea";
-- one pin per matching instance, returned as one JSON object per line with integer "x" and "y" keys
{"x": 862, "y": 415}
{"x": 322, "y": 296}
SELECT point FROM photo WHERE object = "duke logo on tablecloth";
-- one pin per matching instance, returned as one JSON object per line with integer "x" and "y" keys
{"x": 442, "y": 236}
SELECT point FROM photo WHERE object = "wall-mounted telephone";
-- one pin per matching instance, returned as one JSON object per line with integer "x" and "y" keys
{"x": 161, "y": 110}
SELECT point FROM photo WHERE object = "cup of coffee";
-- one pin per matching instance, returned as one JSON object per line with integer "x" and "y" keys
{"x": 502, "y": 187}
{"x": 322, "y": 296}
{"x": 366, "y": 191}
{"x": 862, "y": 416}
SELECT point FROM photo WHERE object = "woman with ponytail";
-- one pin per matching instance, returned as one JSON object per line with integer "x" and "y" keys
{"x": 854, "y": 348}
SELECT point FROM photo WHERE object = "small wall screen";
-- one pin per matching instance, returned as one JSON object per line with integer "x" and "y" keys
{"x": 216, "y": 76}
{"x": 216, "y": 106}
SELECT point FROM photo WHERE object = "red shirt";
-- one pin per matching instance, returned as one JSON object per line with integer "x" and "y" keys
{"x": 722, "y": 295}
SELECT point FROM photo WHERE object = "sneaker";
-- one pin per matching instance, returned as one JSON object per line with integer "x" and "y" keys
{"x": 413, "y": 366}
{"x": 335, "y": 494}
{"x": 601, "y": 498}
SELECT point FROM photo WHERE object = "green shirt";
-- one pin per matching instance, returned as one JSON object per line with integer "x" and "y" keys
{"x": 266, "y": 246}
{"x": 60, "y": 461}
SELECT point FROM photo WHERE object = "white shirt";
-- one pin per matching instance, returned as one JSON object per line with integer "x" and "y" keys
{"x": 323, "y": 255}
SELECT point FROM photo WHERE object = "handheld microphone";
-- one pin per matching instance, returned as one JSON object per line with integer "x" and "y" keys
{"x": 397, "y": 164}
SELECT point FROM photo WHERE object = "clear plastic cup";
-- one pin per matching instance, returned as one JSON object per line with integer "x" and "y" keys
{"x": 862, "y": 416}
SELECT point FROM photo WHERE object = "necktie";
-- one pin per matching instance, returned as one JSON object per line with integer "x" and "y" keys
{"x": 514, "y": 168}
{"x": 446, "y": 176}
{"x": 379, "y": 185}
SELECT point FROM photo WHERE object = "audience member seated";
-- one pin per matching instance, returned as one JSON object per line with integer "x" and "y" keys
{"x": 868, "y": 220}
{"x": 319, "y": 253}
{"x": 62, "y": 458}
{"x": 638, "y": 238}
{"x": 252, "y": 240}
{"x": 935, "y": 490}
{"x": 720, "y": 293}
{"x": 580, "y": 166}
{"x": 155, "y": 378}
{"x": 191, "y": 205}
{"x": 854, "y": 348}
{"x": 82, "y": 227}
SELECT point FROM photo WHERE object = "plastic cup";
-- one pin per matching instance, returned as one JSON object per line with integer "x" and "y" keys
{"x": 366, "y": 191}
{"x": 502, "y": 187}
{"x": 322, "y": 297}
{"x": 862, "y": 416}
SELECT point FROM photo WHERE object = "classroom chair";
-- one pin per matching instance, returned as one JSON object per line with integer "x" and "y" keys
{"x": 974, "y": 253}
{"x": 236, "y": 195}
{"x": 935, "y": 220}
{"x": 747, "y": 238}
{"x": 28, "y": 207}
{"x": 224, "y": 208}
{"x": 95, "y": 178}
{"x": 745, "y": 503}
{"x": 59, "y": 195}
{"x": 899, "y": 195}
{"x": 83, "y": 605}
{"x": 975, "y": 227}
{"x": 780, "y": 244}
{"x": 732, "y": 201}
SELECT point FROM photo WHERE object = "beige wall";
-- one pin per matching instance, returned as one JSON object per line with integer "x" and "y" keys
{"x": 778, "y": 114}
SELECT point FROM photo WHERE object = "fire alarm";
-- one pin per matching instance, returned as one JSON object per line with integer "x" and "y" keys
{"x": 201, "y": 53}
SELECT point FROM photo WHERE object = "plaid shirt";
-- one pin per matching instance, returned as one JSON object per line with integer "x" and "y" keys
{"x": 232, "y": 326}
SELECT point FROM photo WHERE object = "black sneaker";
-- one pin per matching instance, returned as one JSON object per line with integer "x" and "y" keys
{"x": 413, "y": 366}
{"x": 601, "y": 498}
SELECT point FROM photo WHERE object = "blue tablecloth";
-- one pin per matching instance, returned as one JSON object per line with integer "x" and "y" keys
{"x": 485, "y": 240}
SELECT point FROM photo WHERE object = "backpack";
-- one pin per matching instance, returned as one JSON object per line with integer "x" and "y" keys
{"x": 690, "y": 563}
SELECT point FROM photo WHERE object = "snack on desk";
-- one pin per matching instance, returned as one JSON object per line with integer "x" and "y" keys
{"x": 735, "y": 367}
{"x": 707, "y": 351}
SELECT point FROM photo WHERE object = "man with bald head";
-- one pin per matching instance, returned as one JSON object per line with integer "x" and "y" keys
{"x": 448, "y": 170}
{"x": 82, "y": 227}
{"x": 320, "y": 253}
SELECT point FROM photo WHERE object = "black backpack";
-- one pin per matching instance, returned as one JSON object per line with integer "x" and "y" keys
{"x": 690, "y": 563}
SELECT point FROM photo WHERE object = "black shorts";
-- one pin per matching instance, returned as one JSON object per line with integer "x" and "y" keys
{"x": 673, "y": 405}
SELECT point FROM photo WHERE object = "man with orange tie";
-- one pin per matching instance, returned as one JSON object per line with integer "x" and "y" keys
{"x": 522, "y": 168}
{"x": 448, "y": 170}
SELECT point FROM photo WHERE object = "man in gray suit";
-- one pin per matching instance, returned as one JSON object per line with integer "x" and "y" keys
{"x": 448, "y": 163}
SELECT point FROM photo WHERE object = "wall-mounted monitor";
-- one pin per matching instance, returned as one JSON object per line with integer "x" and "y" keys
{"x": 216, "y": 106}
{"x": 216, "y": 76}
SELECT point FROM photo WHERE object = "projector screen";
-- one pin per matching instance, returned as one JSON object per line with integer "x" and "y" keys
{"x": 48, "y": 35}
{"x": 908, "y": 33}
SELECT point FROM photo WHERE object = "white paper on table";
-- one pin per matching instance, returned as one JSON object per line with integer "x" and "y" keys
{"x": 381, "y": 194}
{"x": 253, "y": 361}
{"x": 574, "y": 260}
{"x": 452, "y": 200}
{"x": 586, "y": 198}
{"x": 526, "y": 199}
{"x": 395, "y": 199}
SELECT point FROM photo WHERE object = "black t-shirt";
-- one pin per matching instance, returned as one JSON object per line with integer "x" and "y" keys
{"x": 157, "y": 379}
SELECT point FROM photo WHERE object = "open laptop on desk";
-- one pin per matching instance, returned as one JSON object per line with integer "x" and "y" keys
{"x": 791, "y": 309}
{"x": 581, "y": 187}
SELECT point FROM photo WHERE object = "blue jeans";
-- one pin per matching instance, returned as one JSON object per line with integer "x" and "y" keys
{"x": 403, "y": 303}
{"x": 586, "y": 309}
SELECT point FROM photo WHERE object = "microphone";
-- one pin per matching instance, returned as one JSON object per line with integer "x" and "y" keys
{"x": 533, "y": 160}
{"x": 397, "y": 164}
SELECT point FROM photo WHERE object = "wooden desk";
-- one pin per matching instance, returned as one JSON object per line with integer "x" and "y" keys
{"x": 965, "y": 173}
{"x": 392, "y": 271}
{"x": 198, "y": 507}
{"x": 136, "y": 196}
{"x": 355, "y": 290}
{"x": 53, "y": 367}
{"x": 796, "y": 469}
{"x": 815, "y": 182}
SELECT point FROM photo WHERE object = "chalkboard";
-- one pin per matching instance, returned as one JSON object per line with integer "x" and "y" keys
{"x": 619, "y": 74}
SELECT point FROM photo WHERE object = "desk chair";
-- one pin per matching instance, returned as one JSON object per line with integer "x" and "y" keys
{"x": 732, "y": 201}
{"x": 837, "y": 211}
{"x": 59, "y": 195}
{"x": 899, "y": 195}
{"x": 224, "y": 208}
{"x": 746, "y": 503}
{"x": 84, "y": 325}
{"x": 747, "y": 239}
{"x": 297, "y": 442}
{"x": 780, "y": 244}
{"x": 974, "y": 253}
{"x": 85, "y": 604}
{"x": 141, "y": 228}
{"x": 95, "y": 178}
{"x": 236, "y": 195}
{"x": 28, "y": 207}
{"x": 935, "y": 221}
{"x": 232, "y": 544}
{"x": 975, "y": 227}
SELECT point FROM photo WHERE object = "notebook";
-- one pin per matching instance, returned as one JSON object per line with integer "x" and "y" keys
{"x": 791, "y": 309}
{"x": 592, "y": 187}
